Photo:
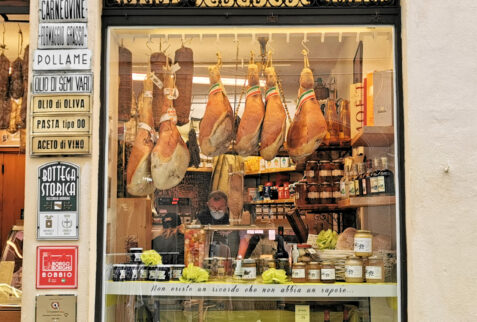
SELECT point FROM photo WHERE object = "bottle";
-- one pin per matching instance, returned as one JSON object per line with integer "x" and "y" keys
{"x": 331, "y": 118}
{"x": 343, "y": 184}
{"x": 361, "y": 176}
{"x": 351, "y": 186}
{"x": 365, "y": 181}
{"x": 358, "y": 169}
{"x": 373, "y": 180}
{"x": 345, "y": 127}
{"x": 386, "y": 178}
{"x": 281, "y": 251}
{"x": 295, "y": 254}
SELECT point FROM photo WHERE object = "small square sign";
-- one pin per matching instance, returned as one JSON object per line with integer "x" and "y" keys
{"x": 57, "y": 267}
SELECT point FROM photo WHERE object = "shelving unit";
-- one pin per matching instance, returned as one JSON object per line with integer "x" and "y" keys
{"x": 325, "y": 207}
{"x": 374, "y": 136}
{"x": 357, "y": 202}
{"x": 218, "y": 289}
{"x": 271, "y": 202}
{"x": 268, "y": 171}
{"x": 192, "y": 169}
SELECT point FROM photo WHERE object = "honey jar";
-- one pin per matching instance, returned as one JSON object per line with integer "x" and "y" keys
{"x": 299, "y": 273}
{"x": 363, "y": 243}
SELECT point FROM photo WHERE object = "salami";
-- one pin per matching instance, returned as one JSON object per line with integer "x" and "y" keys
{"x": 16, "y": 80}
{"x": 125, "y": 84}
{"x": 4, "y": 79}
{"x": 185, "y": 58}
{"x": 6, "y": 105}
{"x": 23, "y": 110}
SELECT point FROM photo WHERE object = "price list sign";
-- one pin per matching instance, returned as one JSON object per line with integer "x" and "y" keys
{"x": 58, "y": 187}
{"x": 62, "y": 81}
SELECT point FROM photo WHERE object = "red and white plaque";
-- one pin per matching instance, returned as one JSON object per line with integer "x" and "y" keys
{"x": 57, "y": 267}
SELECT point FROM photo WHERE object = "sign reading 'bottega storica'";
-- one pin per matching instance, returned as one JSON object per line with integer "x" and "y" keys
{"x": 58, "y": 184}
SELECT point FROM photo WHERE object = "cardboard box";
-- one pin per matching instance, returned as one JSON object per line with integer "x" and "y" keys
{"x": 383, "y": 98}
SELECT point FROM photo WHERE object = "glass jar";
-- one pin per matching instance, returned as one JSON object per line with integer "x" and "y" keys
{"x": 336, "y": 191}
{"x": 299, "y": 273}
{"x": 374, "y": 270}
{"x": 363, "y": 243}
{"x": 328, "y": 272}
{"x": 142, "y": 272}
{"x": 313, "y": 194}
{"x": 249, "y": 269}
{"x": 119, "y": 272}
{"x": 354, "y": 270}
{"x": 311, "y": 171}
{"x": 131, "y": 272}
{"x": 135, "y": 254}
{"x": 326, "y": 170}
{"x": 326, "y": 194}
{"x": 220, "y": 267}
{"x": 337, "y": 171}
{"x": 313, "y": 273}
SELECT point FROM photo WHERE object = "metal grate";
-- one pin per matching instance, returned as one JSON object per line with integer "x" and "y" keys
{"x": 141, "y": 4}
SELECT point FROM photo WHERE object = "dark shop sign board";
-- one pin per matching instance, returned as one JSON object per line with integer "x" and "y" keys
{"x": 47, "y": 104}
{"x": 63, "y": 10}
{"x": 62, "y": 59}
{"x": 60, "y": 145}
{"x": 61, "y": 124}
{"x": 58, "y": 308}
{"x": 58, "y": 190}
{"x": 62, "y": 35}
{"x": 62, "y": 83}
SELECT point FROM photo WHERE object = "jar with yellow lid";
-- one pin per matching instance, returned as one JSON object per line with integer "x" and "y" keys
{"x": 354, "y": 270}
{"x": 363, "y": 243}
{"x": 374, "y": 270}
{"x": 299, "y": 273}
{"x": 328, "y": 272}
{"x": 313, "y": 273}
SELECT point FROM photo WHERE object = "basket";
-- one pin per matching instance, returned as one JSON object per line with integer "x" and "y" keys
{"x": 338, "y": 257}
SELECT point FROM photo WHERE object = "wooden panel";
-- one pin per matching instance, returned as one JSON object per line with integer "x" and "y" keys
{"x": 13, "y": 194}
{"x": 10, "y": 315}
{"x": 133, "y": 221}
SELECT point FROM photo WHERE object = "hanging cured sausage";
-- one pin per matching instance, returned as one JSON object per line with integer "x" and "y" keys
{"x": 170, "y": 156}
{"x": 158, "y": 62}
{"x": 23, "y": 110}
{"x": 309, "y": 126}
{"x": 216, "y": 127}
{"x": 125, "y": 84}
{"x": 5, "y": 101}
{"x": 185, "y": 58}
{"x": 139, "y": 179}
{"x": 274, "y": 124}
{"x": 248, "y": 133}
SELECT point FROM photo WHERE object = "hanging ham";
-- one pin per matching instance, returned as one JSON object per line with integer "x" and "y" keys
{"x": 274, "y": 124}
{"x": 216, "y": 127}
{"x": 139, "y": 179}
{"x": 170, "y": 156}
{"x": 309, "y": 126}
{"x": 248, "y": 133}
{"x": 185, "y": 58}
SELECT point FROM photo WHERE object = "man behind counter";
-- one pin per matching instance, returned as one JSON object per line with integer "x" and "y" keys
{"x": 225, "y": 243}
{"x": 217, "y": 212}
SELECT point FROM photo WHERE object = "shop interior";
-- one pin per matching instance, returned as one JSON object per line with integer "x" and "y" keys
{"x": 14, "y": 40}
{"x": 295, "y": 213}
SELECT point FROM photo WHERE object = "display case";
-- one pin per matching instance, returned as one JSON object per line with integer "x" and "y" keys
{"x": 286, "y": 134}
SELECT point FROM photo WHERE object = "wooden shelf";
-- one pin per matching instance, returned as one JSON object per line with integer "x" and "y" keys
{"x": 192, "y": 169}
{"x": 271, "y": 202}
{"x": 318, "y": 206}
{"x": 357, "y": 202}
{"x": 268, "y": 171}
{"x": 374, "y": 136}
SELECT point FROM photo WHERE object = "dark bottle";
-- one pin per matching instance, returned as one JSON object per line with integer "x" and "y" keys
{"x": 281, "y": 252}
{"x": 385, "y": 178}
{"x": 361, "y": 176}
{"x": 373, "y": 180}
{"x": 366, "y": 180}
{"x": 357, "y": 172}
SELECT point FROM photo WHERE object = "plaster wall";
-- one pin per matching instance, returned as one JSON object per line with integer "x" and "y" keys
{"x": 88, "y": 191}
{"x": 440, "y": 73}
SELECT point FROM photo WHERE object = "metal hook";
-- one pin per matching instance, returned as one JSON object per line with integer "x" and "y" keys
{"x": 20, "y": 40}
{"x": 148, "y": 43}
{"x": 305, "y": 47}
{"x": 219, "y": 60}
{"x": 251, "y": 57}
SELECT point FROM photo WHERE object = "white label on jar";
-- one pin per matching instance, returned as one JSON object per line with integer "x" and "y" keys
{"x": 326, "y": 194}
{"x": 325, "y": 173}
{"x": 336, "y": 194}
{"x": 343, "y": 188}
{"x": 137, "y": 257}
{"x": 310, "y": 173}
{"x": 381, "y": 184}
{"x": 373, "y": 181}
{"x": 134, "y": 274}
{"x": 249, "y": 273}
{"x": 313, "y": 195}
{"x": 298, "y": 273}
{"x": 373, "y": 272}
{"x": 176, "y": 273}
{"x": 363, "y": 245}
{"x": 143, "y": 273}
{"x": 122, "y": 273}
{"x": 328, "y": 274}
{"x": 161, "y": 275}
{"x": 351, "y": 188}
{"x": 314, "y": 274}
{"x": 337, "y": 173}
{"x": 353, "y": 271}
{"x": 153, "y": 274}
{"x": 363, "y": 182}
